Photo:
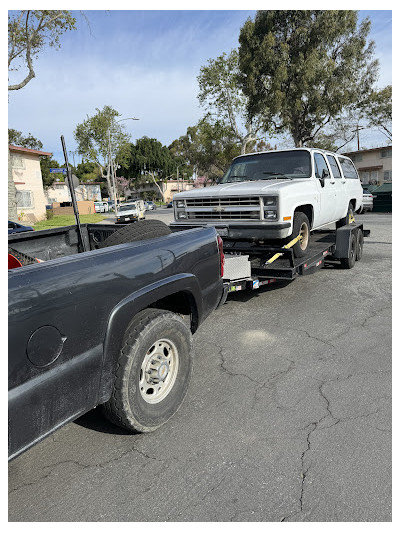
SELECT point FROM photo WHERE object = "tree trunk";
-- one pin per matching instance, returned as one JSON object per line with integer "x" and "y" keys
{"x": 12, "y": 193}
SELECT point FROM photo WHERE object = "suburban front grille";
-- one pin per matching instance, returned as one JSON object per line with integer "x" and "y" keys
{"x": 226, "y": 208}
{"x": 226, "y": 201}
{"x": 233, "y": 215}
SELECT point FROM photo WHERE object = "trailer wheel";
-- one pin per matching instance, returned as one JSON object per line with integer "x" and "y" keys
{"x": 348, "y": 262}
{"x": 301, "y": 225}
{"x": 360, "y": 244}
{"x": 153, "y": 372}
{"x": 346, "y": 220}
{"x": 140, "y": 231}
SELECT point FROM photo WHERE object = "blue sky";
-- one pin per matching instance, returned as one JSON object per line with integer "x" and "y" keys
{"x": 144, "y": 64}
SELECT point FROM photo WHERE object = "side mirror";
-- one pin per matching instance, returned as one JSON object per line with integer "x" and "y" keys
{"x": 325, "y": 173}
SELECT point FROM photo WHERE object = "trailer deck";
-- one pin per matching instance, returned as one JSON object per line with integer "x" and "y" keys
{"x": 333, "y": 245}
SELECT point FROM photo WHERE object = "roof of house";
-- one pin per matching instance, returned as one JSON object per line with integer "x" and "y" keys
{"x": 369, "y": 150}
{"x": 13, "y": 148}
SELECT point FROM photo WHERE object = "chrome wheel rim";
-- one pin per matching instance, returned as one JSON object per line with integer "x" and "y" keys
{"x": 158, "y": 371}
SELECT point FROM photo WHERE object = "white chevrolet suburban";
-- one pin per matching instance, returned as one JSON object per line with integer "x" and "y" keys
{"x": 276, "y": 195}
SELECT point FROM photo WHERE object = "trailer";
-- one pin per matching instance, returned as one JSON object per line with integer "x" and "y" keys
{"x": 249, "y": 265}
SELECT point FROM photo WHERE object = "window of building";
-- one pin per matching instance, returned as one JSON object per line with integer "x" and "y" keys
{"x": 17, "y": 161}
{"x": 348, "y": 169}
{"x": 24, "y": 199}
{"x": 386, "y": 153}
{"x": 357, "y": 157}
{"x": 387, "y": 175}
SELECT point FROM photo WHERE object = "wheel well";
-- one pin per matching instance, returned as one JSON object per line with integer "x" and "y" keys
{"x": 308, "y": 211}
{"x": 181, "y": 303}
{"x": 353, "y": 202}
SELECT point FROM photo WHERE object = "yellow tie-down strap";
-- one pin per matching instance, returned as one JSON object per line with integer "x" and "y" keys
{"x": 288, "y": 245}
{"x": 351, "y": 219}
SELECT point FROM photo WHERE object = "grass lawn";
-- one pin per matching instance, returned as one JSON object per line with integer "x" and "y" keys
{"x": 67, "y": 220}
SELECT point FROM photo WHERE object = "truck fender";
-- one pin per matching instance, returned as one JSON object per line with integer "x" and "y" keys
{"x": 123, "y": 313}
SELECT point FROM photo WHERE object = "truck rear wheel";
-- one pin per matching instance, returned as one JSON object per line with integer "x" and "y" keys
{"x": 301, "y": 225}
{"x": 349, "y": 262}
{"x": 359, "y": 244}
{"x": 153, "y": 372}
{"x": 140, "y": 231}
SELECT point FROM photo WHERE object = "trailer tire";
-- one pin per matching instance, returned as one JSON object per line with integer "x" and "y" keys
{"x": 346, "y": 220}
{"x": 153, "y": 372}
{"x": 349, "y": 262}
{"x": 140, "y": 231}
{"x": 301, "y": 224}
{"x": 359, "y": 244}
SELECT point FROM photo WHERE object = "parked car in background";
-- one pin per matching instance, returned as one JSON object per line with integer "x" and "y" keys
{"x": 130, "y": 212}
{"x": 14, "y": 227}
{"x": 110, "y": 204}
{"x": 99, "y": 207}
{"x": 169, "y": 205}
{"x": 367, "y": 201}
{"x": 150, "y": 206}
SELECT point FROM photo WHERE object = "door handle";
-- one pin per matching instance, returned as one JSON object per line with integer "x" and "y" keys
{"x": 333, "y": 182}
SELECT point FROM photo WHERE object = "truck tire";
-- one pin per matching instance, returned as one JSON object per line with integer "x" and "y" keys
{"x": 153, "y": 372}
{"x": 346, "y": 220}
{"x": 301, "y": 224}
{"x": 359, "y": 244}
{"x": 348, "y": 262}
{"x": 140, "y": 231}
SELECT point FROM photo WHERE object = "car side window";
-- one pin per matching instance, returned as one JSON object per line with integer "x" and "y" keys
{"x": 320, "y": 166}
{"x": 334, "y": 167}
{"x": 349, "y": 171}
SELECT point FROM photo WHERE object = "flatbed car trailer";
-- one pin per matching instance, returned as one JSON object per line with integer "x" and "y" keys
{"x": 249, "y": 266}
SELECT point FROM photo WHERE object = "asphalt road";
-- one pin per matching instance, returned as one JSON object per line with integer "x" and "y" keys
{"x": 288, "y": 417}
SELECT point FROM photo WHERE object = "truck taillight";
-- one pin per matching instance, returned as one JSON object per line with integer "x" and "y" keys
{"x": 221, "y": 254}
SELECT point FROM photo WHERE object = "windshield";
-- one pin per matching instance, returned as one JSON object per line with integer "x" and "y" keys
{"x": 271, "y": 165}
{"x": 127, "y": 207}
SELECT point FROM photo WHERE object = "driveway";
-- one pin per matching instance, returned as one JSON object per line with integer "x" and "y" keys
{"x": 288, "y": 417}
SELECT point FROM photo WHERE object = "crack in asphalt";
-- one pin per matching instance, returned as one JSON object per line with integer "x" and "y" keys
{"x": 83, "y": 466}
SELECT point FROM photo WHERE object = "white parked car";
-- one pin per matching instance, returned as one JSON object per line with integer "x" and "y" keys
{"x": 130, "y": 211}
{"x": 99, "y": 207}
{"x": 368, "y": 201}
{"x": 276, "y": 195}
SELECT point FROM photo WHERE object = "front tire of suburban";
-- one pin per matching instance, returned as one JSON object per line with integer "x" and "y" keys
{"x": 346, "y": 220}
{"x": 301, "y": 225}
{"x": 153, "y": 372}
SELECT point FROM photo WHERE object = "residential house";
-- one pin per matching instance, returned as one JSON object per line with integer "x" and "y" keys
{"x": 374, "y": 165}
{"x": 59, "y": 192}
{"x": 27, "y": 176}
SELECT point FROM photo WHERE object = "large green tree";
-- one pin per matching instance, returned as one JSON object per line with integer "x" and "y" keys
{"x": 101, "y": 140}
{"x": 209, "y": 146}
{"x": 301, "y": 69}
{"x": 29, "y": 33}
{"x": 221, "y": 95}
{"x": 377, "y": 111}
{"x": 150, "y": 159}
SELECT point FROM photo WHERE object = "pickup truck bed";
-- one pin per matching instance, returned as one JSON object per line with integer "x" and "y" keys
{"x": 70, "y": 315}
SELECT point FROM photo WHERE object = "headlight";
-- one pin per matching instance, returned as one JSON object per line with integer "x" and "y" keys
{"x": 180, "y": 203}
{"x": 269, "y": 200}
{"x": 182, "y": 214}
{"x": 269, "y": 214}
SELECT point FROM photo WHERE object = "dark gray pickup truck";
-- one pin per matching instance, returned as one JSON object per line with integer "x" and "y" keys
{"x": 111, "y": 326}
